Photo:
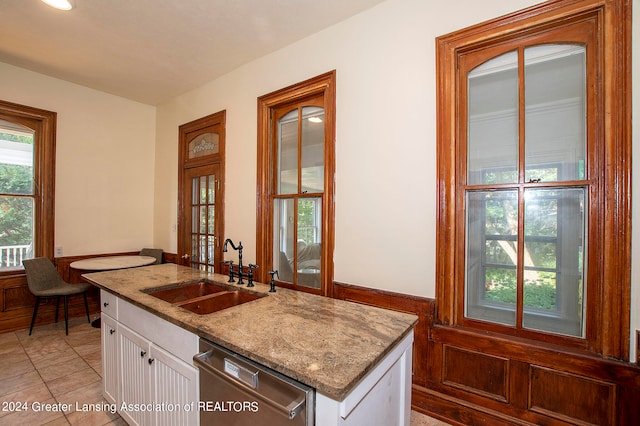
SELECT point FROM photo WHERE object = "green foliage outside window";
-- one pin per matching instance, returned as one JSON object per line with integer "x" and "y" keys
{"x": 16, "y": 213}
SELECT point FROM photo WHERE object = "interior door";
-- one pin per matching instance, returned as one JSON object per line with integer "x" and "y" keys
{"x": 201, "y": 231}
{"x": 201, "y": 192}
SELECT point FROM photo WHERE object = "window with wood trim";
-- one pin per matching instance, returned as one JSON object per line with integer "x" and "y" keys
{"x": 296, "y": 184}
{"x": 533, "y": 164}
{"x": 27, "y": 176}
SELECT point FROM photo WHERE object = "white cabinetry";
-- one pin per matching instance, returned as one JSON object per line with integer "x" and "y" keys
{"x": 109, "y": 358}
{"x": 155, "y": 380}
{"x": 382, "y": 397}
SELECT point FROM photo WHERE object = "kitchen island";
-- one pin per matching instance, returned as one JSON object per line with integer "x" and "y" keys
{"x": 331, "y": 345}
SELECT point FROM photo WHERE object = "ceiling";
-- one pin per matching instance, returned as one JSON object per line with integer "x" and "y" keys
{"x": 153, "y": 50}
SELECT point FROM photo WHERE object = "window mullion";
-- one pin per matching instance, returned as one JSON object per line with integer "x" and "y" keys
{"x": 521, "y": 177}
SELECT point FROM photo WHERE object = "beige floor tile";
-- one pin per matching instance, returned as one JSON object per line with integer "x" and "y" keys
{"x": 45, "y": 359}
{"x": 60, "y": 421}
{"x": 53, "y": 371}
{"x": 95, "y": 361}
{"x": 89, "y": 418}
{"x": 88, "y": 394}
{"x": 15, "y": 368}
{"x": 419, "y": 419}
{"x": 16, "y": 383}
{"x": 72, "y": 382}
{"x": 23, "y": 398}
{"x": 37, "y": 414}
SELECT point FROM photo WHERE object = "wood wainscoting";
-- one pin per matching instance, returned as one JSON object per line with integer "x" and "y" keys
{"x": 16, "y": 301}
{"x": 468, "y": 377}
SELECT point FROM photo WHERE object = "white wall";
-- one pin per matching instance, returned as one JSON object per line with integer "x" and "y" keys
{"x": 385, "y": 147}
{"x": 104, "y": 162}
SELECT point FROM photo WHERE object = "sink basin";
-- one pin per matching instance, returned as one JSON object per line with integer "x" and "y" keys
{"x": 181, "y": 293}
{"x": 203, "y": 297}
{"x": 218, "y": 302}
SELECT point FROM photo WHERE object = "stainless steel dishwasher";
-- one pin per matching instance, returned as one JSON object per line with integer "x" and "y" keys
{"x": 237, "y": 391}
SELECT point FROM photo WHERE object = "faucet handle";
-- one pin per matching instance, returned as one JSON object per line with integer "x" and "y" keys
{"x": 273, "y": 283}
{"x": 230, "y": 263}
{"x": 250, "y": 274}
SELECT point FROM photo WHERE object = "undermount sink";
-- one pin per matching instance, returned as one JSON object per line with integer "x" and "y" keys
{"x": 203, "y": 297}
{"x": 180, "y": 293}
{"x": 218, "y": 302}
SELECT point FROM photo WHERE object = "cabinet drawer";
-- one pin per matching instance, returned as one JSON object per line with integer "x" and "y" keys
{"x": 109, "y": 304}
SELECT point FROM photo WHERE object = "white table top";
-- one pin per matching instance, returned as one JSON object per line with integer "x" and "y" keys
{"x": 108, "y": 263}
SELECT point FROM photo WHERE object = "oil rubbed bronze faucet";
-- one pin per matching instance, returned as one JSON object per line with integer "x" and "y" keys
{"x": 239, "y": 271}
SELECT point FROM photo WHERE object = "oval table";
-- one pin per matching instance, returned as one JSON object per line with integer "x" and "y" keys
{"x": 109, "y": 263}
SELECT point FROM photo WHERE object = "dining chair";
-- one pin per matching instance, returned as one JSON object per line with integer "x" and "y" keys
{"x": 157, "y": 253}
{"x": 44, "y": 282}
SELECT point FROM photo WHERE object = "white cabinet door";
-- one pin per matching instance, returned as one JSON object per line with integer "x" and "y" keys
{"x": 134, "y": 377}
{"x": 175, "y": 388}
{"x": 109, "y": 358}
{"x": 155, "y": 387}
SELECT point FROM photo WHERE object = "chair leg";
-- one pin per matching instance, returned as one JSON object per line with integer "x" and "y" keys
{"x": 35, "y": 312}
{"x": 66, "y": 315}
{"x": 86, "y": 306}
{"x": 57, "y": 307}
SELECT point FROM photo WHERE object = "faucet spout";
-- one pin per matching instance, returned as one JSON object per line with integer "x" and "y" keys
{"x": 239, "y": 249}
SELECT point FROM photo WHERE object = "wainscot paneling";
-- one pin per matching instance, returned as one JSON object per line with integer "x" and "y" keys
{"x": 466, "y": 377}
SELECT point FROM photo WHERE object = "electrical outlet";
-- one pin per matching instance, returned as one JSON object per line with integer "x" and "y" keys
{"x": 58, "y": 251}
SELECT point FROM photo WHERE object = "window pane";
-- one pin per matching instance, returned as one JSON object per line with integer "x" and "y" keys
{"x": 16, "y": 159}
{"x": 204, "y": 144}
{"x": 16, "y": 230}
{"x": 492, "y": 252}
{"x": 309, "y": 241}
{"x": 288, "y": 153}
{"x": 312, "y": 149}
{"x": 555, "y": 112}
{"x": 493, "y": 121}
{"x": 554, "y": 260}
{"x": 16, "y": 178}
{"x": 283, "y": 237}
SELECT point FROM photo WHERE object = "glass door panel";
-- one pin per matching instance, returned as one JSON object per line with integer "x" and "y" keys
{"x": 203, "y": 238}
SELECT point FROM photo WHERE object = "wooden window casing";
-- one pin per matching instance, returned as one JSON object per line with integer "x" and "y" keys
{"x": 608, "y": 162}
{"x": 323, "y": 86}
{"x": 43, "y": 123}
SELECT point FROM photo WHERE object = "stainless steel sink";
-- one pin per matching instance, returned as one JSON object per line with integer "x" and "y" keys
{"x": 203, "y": 297}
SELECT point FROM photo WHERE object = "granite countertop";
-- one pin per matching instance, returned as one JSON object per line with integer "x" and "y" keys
{"x": 325, "y": 343}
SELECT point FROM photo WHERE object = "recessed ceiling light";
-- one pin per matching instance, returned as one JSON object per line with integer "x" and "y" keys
{"x": 60, "y": 4}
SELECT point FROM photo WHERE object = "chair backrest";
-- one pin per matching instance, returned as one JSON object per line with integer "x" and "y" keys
{"x": 285, "y": 273}
{"x": 157, "y": 253}
{"x": 41, "y": 274}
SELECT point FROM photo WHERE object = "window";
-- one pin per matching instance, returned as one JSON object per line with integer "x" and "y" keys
{"x": 527, "y": 207}
{"x": 27, "y": 154}
{"x": 525, "y": 229}
{"x": 295, "y": 184}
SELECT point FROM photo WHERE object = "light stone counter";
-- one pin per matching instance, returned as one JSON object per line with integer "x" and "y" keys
{"x": 325, "y": 343}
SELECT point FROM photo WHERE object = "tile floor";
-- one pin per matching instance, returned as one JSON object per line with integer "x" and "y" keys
{"x": 64, "y": 372}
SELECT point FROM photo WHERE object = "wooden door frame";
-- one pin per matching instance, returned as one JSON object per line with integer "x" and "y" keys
{"x": 218, "y": 118}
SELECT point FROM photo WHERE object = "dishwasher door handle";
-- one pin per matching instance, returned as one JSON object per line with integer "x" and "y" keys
{"x": 291, "y": 410}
